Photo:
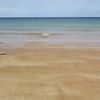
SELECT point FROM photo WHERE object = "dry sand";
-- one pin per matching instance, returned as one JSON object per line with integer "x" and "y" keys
{"x": 50, "y": 73}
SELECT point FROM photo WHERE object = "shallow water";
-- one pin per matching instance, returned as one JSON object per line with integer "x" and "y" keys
{"x": 72, "y": 39}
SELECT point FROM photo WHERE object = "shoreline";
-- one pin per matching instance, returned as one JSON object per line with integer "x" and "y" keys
{"x": 74, "y": 40}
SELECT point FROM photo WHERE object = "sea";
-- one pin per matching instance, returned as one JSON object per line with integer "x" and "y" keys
{"x": 69, "y": 31}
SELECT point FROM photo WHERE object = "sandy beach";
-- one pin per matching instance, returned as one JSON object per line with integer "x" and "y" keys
{"x": 47, "y": 72}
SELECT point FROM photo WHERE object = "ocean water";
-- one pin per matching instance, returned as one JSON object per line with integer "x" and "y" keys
{"x": 84, "y": 31}
{"x": 58, "y": 25}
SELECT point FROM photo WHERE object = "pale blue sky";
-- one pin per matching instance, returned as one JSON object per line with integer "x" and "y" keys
{"x": 49, "y": 8}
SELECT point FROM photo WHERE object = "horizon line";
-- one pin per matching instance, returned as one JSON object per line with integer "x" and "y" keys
{"x": 49, "y": 17}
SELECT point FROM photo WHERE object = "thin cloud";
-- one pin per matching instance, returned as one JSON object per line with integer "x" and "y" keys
{"x": 7, "y": 8}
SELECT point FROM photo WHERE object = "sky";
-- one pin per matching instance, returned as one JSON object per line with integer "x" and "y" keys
{"x": 49, "y": 8}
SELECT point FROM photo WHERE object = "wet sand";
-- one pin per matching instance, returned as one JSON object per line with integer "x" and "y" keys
{"x": 39, "y": 72}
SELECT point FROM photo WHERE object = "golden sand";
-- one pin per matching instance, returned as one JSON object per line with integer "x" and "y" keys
{"x": 50, "y": 73}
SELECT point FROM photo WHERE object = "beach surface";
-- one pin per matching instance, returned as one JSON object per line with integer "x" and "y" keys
{"x": 49, "y": 72}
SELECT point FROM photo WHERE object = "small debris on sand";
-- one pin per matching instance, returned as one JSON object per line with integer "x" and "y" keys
{"x": 3, "y": 53}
